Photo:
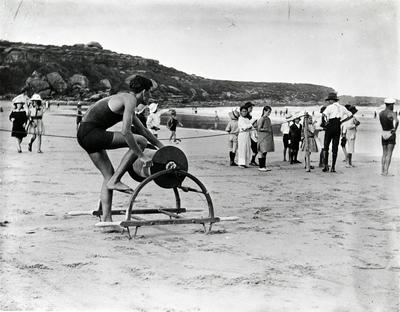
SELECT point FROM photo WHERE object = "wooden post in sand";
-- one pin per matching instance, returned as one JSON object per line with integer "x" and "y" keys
{"x": 306, "y": 145}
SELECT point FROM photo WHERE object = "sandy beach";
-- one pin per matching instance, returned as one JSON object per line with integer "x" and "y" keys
{"x": 303, "y": 241}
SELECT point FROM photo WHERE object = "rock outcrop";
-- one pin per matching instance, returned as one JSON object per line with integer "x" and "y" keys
{"x": 89, "y": 70}
{"x": 57, "y": 82}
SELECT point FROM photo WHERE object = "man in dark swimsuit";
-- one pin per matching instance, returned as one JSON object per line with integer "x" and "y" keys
{"x": 389, "y": 123}
{"x": 95, "y": 139}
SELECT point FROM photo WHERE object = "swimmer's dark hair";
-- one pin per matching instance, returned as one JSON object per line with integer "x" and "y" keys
{"x": 139, "y": 83}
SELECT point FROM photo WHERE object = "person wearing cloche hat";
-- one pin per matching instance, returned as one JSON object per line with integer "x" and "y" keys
{"x": 233, "y": 130}
{"x": 389, "y": 124}
{"x": 153, "y": 120}
{"x": 349, "y": 131}
{"x": 285, "y": 128}
{"x": 334, "y": 115}
{"x": 35, "y": 125}
{"x": 18, "y": 118}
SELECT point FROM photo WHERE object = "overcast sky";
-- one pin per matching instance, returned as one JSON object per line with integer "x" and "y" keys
{"x": 352, "y": 46}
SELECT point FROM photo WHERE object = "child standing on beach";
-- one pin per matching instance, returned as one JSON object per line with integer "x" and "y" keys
{"x": 310, "y": 145}
{"x": 171, "y": 125}
{"x": 295, "y": 138}
{"x": 233, "y": 130}
{"x": 18, "y": 118}
{"x": 265, "y": 137}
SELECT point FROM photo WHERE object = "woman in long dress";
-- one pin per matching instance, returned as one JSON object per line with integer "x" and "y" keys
{"x": 244, "y": 144}
{"x": 35, "y": 123}
{"x": 265, "y": 138}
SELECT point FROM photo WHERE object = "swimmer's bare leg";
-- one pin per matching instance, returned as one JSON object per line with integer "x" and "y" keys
{"x": 383, "y": 162}
{"x": 127, "y": 160}
{"x": 390, "y": 148}
{"x": 103, "y": 163}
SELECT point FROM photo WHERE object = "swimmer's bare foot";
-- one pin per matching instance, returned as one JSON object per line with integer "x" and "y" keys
{"x": 120, "y": 187}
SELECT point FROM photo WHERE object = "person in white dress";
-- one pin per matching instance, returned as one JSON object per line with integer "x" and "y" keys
{"x": 244, "y": 143}
{"x": 153, "y": 120}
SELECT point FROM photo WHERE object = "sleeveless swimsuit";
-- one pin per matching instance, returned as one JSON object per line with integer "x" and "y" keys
{"x": 387, "y": 126}
{"x": 92, "y": 132}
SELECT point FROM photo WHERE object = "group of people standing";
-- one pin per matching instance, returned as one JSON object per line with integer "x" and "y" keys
{"x": 249, "y": 137}
{"x": 29, "y": 121}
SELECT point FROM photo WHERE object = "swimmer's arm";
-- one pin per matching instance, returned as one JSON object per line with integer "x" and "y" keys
{"x": 145, "y": 132}
{"x": 129, "y": 106}
{"x": 396, "y": 122}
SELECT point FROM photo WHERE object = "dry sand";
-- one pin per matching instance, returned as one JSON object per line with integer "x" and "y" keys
{"x": 304, "y": 241}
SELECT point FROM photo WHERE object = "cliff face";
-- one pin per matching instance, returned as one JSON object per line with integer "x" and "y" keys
{"x": 84, "y": 71}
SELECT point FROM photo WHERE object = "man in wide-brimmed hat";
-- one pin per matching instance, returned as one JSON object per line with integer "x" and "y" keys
{"x": 389, "y": 123}
{"x": 334, "y": 115}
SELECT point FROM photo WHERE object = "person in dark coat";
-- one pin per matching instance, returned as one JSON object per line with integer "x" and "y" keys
{"x": 18, "y": 118}
{"x": 294, "y": 139}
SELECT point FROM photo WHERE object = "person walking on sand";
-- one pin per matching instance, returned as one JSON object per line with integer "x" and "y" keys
{"x": 309, "y": 146}
{"x": 18, "y": 118}
{"x": 94, "y": 138}
{"x": 265, "y": 137}
{"x": 244, "y": 143}
{"x": 285, "y": 128}
{"x": 153, "y": 120}
{"x": 233, "y": 130}
{"x": 320, "y": 134}
{"x": 294, "y": 138}
{"x": 172, "y": 123}
{"x": 216, "y": 120}
{"x": 79, "y": 114}
{"x": 389, "y": 124}
{"x": 334, "y": 115}
{"x": 35, "y": 125}
{"x": 349, "y": 130}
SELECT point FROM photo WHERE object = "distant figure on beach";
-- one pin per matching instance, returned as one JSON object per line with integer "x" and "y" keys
{"x": 244, "y": 143}
{"x": 94, "y": 138}
{"x": 286, "y": 111}
{"x": 35, "y": 125}
{"x": 389, "y": 123}
{"x": 153, "y": 120}
{"x": 349, "y": 130}
{"x": 172, "y": 123}
{"x": 195, "y": 110}
{"x": 79, "y": 114}
{"x": 375, "y": 115}
{"x": 233, "y": 130}
{"x": 18, "y": 118}
{"x": 216, "y": 120}
{"x": 294, "y": 138}
{"x": 285, "y": 128}
{"x": 253, "y": 133}
{"x": 265, "y": 137}
{"x": 334, "y": 115}
{"x": 310, "y": 145}
{"x": 141, "y": 114}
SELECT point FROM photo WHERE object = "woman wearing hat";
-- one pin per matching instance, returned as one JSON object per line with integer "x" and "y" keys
{"x": 153, "y": 120}
{"x": 35, "y": 123}
{"x": 18, "y": 118}
{"x": 349, "y": 130}
{"x": 265, "y": 137}
{"x": 244, "y": 143}
{"x": 233, "y": 130}
{"x": 94, "y": 138}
